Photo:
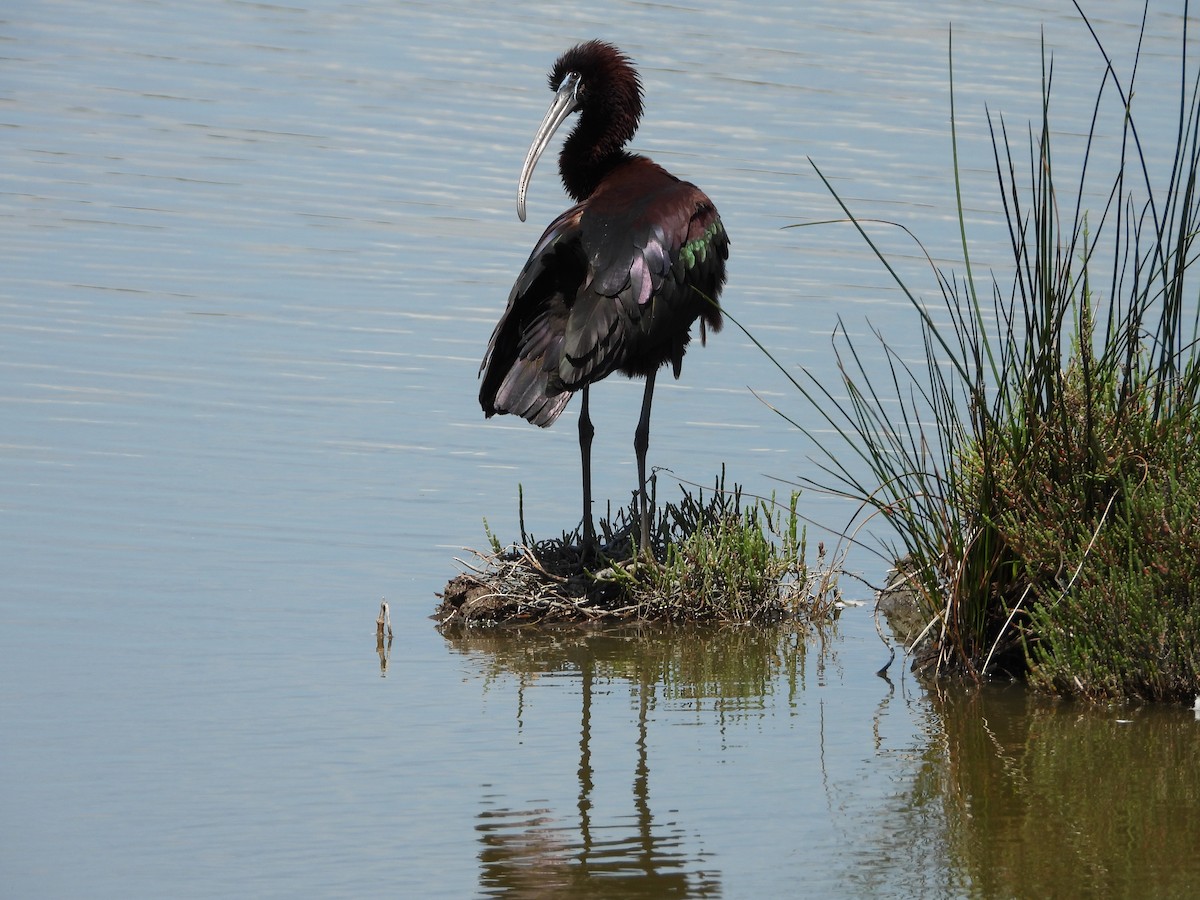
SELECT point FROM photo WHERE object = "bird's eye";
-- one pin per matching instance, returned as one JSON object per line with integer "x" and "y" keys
{"x": 575, "y": 82}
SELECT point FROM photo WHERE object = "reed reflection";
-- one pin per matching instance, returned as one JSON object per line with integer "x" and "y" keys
{"x": 1049, "y": 799}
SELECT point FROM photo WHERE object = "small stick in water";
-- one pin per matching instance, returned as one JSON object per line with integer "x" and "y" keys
{"x": 384, "y": 620}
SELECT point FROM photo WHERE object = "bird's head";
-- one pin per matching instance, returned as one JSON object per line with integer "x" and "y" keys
{"x": 599, "y": 82}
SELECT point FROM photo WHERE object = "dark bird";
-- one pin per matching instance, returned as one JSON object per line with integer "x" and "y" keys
{"x": 615, "y": 283}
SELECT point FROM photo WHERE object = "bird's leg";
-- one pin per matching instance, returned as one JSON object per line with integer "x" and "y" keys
{"x": 641, "y": 443}
{"x": 586, "y": 431}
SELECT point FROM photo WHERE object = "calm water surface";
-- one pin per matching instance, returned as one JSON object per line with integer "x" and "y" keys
{"x": 253, "y": 253}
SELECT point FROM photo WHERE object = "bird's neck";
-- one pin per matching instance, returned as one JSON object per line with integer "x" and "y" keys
{"x": 588, "y": 155}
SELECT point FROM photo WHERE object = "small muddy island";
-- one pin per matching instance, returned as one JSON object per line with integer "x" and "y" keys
{"x": 713, "y": 557}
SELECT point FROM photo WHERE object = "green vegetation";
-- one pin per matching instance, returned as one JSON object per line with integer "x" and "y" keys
{"x": 715, "y": 559}
{"x": 1042, "y": 473}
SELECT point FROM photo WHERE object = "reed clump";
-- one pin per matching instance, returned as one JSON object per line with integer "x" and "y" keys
{"x": 1041, "y": 471}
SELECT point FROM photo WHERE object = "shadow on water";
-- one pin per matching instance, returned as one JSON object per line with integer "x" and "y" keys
{"x": 538, "y": 851}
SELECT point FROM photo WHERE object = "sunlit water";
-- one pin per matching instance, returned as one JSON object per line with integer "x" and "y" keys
{"x": 253, "y": 253}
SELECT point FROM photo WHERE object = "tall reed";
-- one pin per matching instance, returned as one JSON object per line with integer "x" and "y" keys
{"x": 1042, "y": 470}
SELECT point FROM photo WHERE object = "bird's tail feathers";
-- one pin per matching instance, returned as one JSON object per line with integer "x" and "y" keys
{"x": 525, "y": 393}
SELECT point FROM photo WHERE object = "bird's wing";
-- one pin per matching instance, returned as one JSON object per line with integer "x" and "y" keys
{"x": 699, "y": 267}
{"x": 520, "y": 368}
{"x": 656, "y": 253}
{"x": 613, "y": 283}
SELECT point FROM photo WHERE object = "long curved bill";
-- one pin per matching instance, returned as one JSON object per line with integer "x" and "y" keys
{"x": 566, "y": 101}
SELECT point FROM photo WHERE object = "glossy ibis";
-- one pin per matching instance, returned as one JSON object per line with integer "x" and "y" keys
{"x": 615, "y": 283}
